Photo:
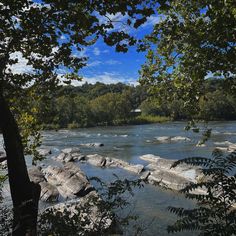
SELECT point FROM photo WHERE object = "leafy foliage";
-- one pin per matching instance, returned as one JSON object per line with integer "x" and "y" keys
{"x": 192, "y": 41}
{"x": 216, "y": 213}
{"x": 112, "y": 197}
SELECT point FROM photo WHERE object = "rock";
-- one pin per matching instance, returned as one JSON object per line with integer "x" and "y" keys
{"x": 151, "y": 167}
{"x": 69, "y": 157}
{"x": 3, "y": 164}
{"x": 92, "y": 144}
{"x": 2, "y": 153}
{"x": 96, "y": 160}
{"x": 163, "y": 139}
{"x": 78, "y": 157}
{"x": 49, "y": 193}
{"x": 61, "y": 156}
{"x": 86, "y": 210}
{"x": 100, "y": 161}
{"x": 134, "y": 168}
{"x": 180, "y": 138}
{"x": 44, "y": 151}
{"x": 149, "y": 157}
{"x": 200, "y": 144}
{"x": 174, "y": 178}
{"x": 109, "y": 162}
{"x": 145, "y": 175}
{"x": 126, "y": 166}
{"x": 36, "y": 175}
{"x": 70, "y": 150}
{"x": 168, "y": 179}
{"x": 70, "y": 181}
{"x": 223, "y": 149}
{"x": 225, "y": 143}
{"x": 3, "y": 161}
{"x": 232, "y": 148}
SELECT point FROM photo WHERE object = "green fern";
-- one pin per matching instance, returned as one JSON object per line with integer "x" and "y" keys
{"x": 215, "y": 213}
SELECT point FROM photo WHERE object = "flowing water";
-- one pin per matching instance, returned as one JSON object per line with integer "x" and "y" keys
{"x": 129, "y": 143}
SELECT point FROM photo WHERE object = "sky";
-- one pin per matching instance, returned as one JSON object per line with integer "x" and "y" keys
{"x": 108, "y": 66}
{"x": 104, "y": 63}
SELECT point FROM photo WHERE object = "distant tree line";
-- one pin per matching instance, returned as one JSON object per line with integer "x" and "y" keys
{"x": 102, "y": 104}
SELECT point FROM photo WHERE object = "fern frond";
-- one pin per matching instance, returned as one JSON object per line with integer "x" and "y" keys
{"x": 194, "y": 161}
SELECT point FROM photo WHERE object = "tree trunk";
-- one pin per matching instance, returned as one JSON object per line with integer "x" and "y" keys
{"x": 25, "y": 194}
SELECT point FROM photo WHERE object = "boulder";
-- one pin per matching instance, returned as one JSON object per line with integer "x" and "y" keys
{"x": 70, "y": 181}
{"x": 69, "y": 157}
{"x": 225, "y": 143}
{"x": 61, "y": 156}
{"x": 180, "y": 138}
{"x": 44, "y": 151}
{"x": 36, "y": 175}
{"x": 200, "y": 144}
{"x": 163, "y": 139}
{"x": 149, "y": 158}
{"x": 168, "y": 179}
{"x": 87, "y": 211}
{"x": 96, "y": 160}
{"x": 159, "y": 171}
{"x": 232, "y": 148}
{"x": 71, "y": 150}
{"x": 92, "y": 144}
{"x": 145, "y": 175}
{"x": 126, "y": 166}
{"x": 49, "y": 193}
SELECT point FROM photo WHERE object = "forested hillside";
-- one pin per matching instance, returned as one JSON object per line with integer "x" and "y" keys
{"x": 102, "y": 104}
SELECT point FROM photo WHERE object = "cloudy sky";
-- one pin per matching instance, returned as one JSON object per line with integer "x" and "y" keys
{"x": 104, "y": 64}
{"x": 107, "y": 66}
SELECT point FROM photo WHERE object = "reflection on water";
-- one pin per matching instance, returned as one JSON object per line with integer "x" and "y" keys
{"x": 130, "y": 142}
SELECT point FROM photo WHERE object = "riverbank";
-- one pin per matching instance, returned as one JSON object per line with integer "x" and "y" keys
{"x": 137, "y": 120}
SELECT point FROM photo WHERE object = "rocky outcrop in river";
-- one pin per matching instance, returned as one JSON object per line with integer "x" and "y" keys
{"x": 159, "y": 171}
{"x": 82, "y": 203}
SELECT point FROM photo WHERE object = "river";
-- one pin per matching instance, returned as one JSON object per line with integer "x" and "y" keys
{"x": 130, "y": 142}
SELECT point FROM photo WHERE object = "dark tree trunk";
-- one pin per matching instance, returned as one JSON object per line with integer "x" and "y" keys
{"x": 25, "y": 194}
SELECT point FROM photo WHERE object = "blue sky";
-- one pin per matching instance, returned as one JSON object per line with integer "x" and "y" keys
{"x": 108, "y": 66}
{"x": 104, "y": 64}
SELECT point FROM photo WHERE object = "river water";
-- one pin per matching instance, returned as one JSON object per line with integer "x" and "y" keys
{"x": 129, "y": 143}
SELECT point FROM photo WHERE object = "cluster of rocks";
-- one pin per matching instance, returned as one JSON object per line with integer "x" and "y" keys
{"x": 74, "y": 154}
{"x": 92, "y": 144}
{"x": 67, "y": 182}
{"x": 69, "y": 155}
{"x": 226, "y": 146}
{"x": 167, "y": 139}
{"x": 159, "y": 171}
{"x": 70, "y": 183}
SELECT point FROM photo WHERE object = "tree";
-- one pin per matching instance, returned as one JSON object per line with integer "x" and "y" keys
{"x": 214, "y": 214}
{"x": 192, "y": 40}
{"x": 49, "y": 35}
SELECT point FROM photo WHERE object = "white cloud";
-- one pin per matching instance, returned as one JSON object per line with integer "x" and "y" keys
{"x": 106, "y": 78}
{"x": 82, "y": 53}
{"x": 21, "y": 66}
{"x": 94, "y": 63}
{"x": 152, "y": 20}
{"x": 108, "y": 62}
{"x": 112, "y": 62}
{"x": 96, "y": 51}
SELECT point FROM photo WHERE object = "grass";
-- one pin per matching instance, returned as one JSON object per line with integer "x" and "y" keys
{"x": 149, "y": 119}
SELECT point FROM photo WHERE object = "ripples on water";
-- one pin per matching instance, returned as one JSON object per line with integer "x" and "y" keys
{"x": 130, "y": 142}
